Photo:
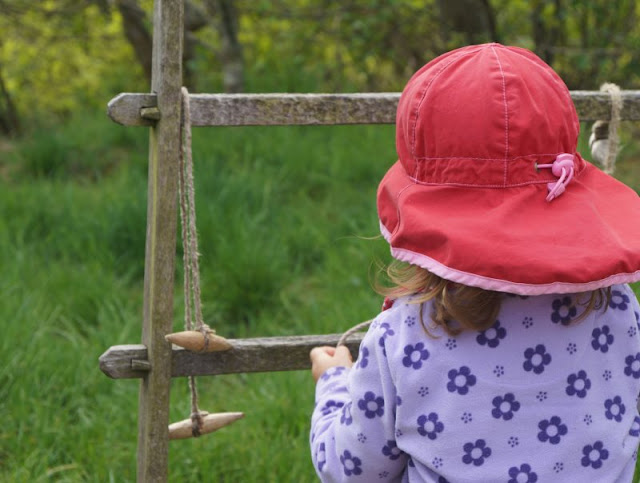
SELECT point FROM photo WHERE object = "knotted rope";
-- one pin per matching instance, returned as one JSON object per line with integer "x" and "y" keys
{"x": 604, "y": 147}
{"x": 192, "y": 304}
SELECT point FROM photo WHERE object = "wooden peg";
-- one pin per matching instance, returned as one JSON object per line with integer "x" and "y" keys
{"x": 196, "y": 341}
{"x": 210, "y": 423}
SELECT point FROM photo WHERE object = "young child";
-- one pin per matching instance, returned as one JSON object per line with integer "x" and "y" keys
{"x": 511, "y": 352}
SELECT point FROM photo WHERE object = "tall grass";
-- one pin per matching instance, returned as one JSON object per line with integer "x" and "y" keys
{"x": 283, "y": 214}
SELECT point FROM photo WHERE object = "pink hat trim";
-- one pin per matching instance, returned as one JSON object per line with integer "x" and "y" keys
{"x": 497, "y": 285}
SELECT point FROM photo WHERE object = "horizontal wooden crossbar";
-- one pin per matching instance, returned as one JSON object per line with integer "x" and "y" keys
{"x": 266, "y": 354}
{"x": 320, "y": 109}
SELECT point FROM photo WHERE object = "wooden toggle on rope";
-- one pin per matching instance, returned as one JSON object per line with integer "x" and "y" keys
{"x": 201, "y": 338}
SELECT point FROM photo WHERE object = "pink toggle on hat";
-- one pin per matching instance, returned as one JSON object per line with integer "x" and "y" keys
{"x": 489, "y": 190}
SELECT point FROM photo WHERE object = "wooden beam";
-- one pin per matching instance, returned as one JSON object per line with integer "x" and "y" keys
{"x": 266, "y": 354}
{"x": 320, "y": 109}
{"x": 164, "y": 148}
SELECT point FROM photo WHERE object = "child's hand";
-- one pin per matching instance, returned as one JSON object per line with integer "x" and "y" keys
{"x": 322, "y": 358}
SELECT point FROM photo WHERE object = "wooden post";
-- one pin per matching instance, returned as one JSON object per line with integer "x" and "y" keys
{"x": 164, "y": 146}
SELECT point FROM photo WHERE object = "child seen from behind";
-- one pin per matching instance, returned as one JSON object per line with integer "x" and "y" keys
{"x": 509, "y": 349}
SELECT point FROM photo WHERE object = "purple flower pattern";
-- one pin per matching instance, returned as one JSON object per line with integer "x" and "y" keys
{"x": 535, "y": 359}
{"x": 632, "y": 368}
{"x": 614, "y": 409}
{"x": 429, "y": 426}
{"x": 460, "y": 380}
{"x": 594, "y": 455}
{"x": 518, "y": 474}
{"x": 563, "y": 311}
{"x": 578, "y": 384}
{"x": 371, "y": 405}
{"x": 551, "y": 430}
{"x": 352, "y": 465}
{"x": 505, "y": 406}
{"x": 414, "y": 355}
{"x": 492, "y": 336}
{"x": 363, "y": 358}
{"x": 476, "y": 453}
{"x": 619, "y": 300}
{"x": 345, "y": 417}
{"x": 602, "y": 338}
{"x": 391, "y": 450}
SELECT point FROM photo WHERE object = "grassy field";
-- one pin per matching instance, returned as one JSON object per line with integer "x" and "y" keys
{"x": 283, "y": 214}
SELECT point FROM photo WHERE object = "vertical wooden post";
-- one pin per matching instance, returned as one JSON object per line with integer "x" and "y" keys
{"x": 164, "y": 145}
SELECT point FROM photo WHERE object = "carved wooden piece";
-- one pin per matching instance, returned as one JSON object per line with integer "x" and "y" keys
{"x": 322, "y": 109}
{"x": 266, "y": 354}
{"x": 196, "y": 341}
{"x": 210, "y": 423}
{"x": 164, "y": 146}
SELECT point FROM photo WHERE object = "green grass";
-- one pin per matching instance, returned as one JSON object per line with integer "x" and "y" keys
{"x": 282, "y": 216}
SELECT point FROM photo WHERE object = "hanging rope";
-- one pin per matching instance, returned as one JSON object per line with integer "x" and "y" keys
{"x": 604, "y": 140}
{"x": 192, "y": 304}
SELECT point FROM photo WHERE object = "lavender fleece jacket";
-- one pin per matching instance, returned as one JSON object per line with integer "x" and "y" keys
{"x": 532, "y": 399}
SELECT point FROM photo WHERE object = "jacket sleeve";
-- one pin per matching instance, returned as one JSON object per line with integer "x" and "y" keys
{"x": 353, "y": 424}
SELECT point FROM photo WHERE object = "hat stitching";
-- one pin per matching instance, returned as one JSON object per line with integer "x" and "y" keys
{"x": 506, "y": 114}
{"x": 563, "y": 87}
{"x": 424, "y": 95}
{"x": 580, "y": 168}
{"x": 489, "y": 159}
{"x": 409, "y": 185}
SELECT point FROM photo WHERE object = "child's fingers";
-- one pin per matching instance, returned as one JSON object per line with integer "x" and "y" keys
{"x": 322, "y": 352}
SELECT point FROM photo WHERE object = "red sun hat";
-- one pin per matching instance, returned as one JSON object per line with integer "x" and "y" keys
{"x": 489, "y": 190}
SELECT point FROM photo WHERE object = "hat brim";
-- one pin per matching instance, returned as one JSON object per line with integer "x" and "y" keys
{"x": 511, "y": 239}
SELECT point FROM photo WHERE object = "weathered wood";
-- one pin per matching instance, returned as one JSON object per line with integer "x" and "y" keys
{"x": 164, "y": 147}
{"x": 323, "y": 109}
{"x": 267, "y": 354}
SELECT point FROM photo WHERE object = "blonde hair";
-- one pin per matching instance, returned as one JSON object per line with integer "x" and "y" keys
{"x": 458, "y": 307}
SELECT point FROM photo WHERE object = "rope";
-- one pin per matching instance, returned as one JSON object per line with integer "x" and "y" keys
{"x": 192, "y": 302}
{"x": 609, "y": 161}
{"x": 353, "y": 330}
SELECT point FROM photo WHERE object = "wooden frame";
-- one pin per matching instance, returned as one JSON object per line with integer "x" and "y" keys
{"x": 154, "y": 361}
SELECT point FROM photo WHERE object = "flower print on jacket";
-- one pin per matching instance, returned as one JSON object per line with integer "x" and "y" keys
{"x": 635, "y": 427}
{"x": 594, "y": 455}
{"x": 363, "y": 358}
{"x": 619, "y": 300}
{"x": 602, "y": 338}
{"x": 535, "y": 359}
{"x": 504, "y": 406}
{"x": 551, "y": 430}
{"x": 492, "y": 336}
{"x": 332, "y": 372}
{"x": 331, "y": 406}
{"x": 345, "y": 417}
{"x": 388, "y": 332}
{"x": 391, "y": 450}
{"x": 578, "y": 384}
{"x": 563, "y": 311}
{"x": 460, "y": 380}
{"x": 414, "y": 355}
{"x": 518, "y": 475}
{"x": 476, "y": 452}
{"x": 351, "y": 464}
{"x": 429, "y": 426}
{"x": 633, "y": 366}
{"x": 321, "y": 457}
{"x": 371, "y": 405}
{"x": 614, "y": 409}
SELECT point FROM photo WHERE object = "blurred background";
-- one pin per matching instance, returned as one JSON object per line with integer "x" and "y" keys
{"x": 286, "y": 215}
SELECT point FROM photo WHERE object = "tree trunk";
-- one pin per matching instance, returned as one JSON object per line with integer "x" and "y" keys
{"x": 231, "y": 52}
{"x": 9, "y": 121}
{"x": 473, "y": 18}
{"x": 133, "y": 23}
